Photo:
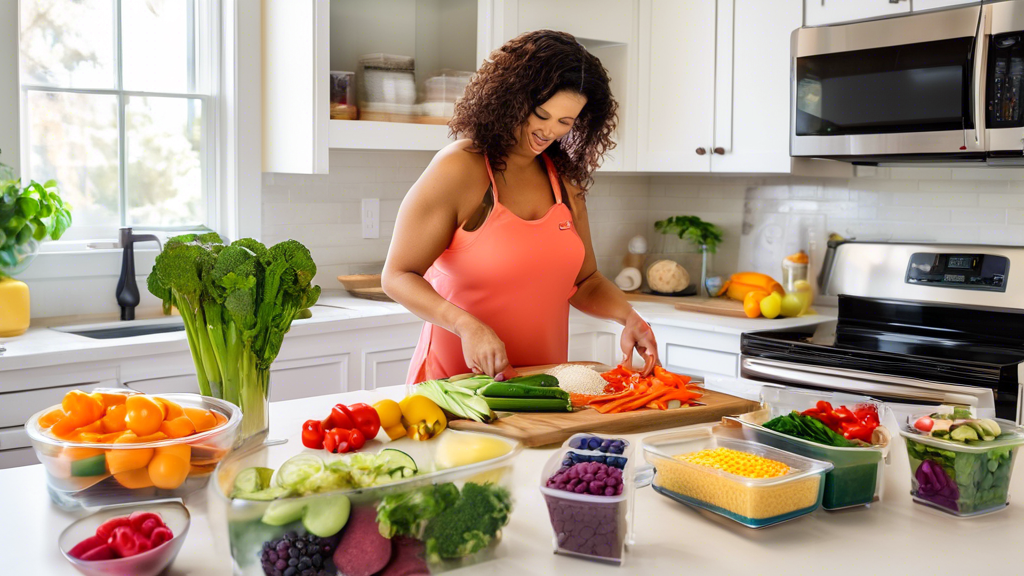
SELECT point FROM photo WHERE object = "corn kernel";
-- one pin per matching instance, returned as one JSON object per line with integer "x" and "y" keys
{"x": 736, "y": 462}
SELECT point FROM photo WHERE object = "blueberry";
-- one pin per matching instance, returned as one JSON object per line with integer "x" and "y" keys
{"x": 280, "y": 564}
{"x": 577, "y": 442}
{"x": 593, "y": 444}
{"x": 290, "y": 571}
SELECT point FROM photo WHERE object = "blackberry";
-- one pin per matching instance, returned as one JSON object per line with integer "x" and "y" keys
{"x": 295, "y": 555}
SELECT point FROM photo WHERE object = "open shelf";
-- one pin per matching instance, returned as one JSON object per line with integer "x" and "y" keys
{"x": 370, "y": 135}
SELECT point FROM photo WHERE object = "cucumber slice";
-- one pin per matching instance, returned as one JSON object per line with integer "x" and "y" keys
{"x": 281, "y": 512}
{"x": 326, "y": 516}
{"x": 91, "y": 466}
{"x": 396, "y": 460}
{"x": 298, "y": 469}
{"x": 252, "y": 480}
{"x": 265, "y": 495}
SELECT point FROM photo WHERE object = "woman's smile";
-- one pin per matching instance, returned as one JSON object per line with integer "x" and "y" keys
{"x": 537, "y": 143}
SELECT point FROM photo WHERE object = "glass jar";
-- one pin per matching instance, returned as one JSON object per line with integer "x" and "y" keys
{"x": 794, "y": 281}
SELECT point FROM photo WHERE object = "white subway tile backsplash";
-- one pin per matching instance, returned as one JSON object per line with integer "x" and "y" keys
{"x": 931, "y": 204}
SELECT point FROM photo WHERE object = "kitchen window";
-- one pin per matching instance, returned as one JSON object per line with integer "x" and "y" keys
{"x": 118, "y": 106}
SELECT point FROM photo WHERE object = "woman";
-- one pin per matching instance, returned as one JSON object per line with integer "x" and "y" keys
{"x": 492, "y": 243}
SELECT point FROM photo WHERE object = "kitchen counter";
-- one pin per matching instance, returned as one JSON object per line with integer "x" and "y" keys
{"x": 666, "y": 314}
{"x": 893, "y": 536}
{"x": 43, "y": 346}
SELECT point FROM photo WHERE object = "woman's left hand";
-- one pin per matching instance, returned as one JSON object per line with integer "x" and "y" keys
{"x": 638, "y": 335}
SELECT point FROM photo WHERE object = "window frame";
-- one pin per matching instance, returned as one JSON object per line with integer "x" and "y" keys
{"x": 209, "y": 42}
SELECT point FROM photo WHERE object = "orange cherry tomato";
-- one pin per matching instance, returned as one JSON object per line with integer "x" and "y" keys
{"x": 752, "y": 303}
{"x": 133, "y": 479}
{"x": 122, "y": 460}
{"x": 114, "y": 421}
{"x": 171, "y": 410}
{"x": 202, "y": 419}
{"x": 144, "y": 415}
{"x": 168, "y": 471}
{"x": 82, "y": 408}
{"x": 178, "y": 427}
{"x": 51, "y": 417}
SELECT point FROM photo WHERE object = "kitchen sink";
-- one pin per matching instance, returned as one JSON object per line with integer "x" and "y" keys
{"x": 111, "y": 330}
{"x": 130, "y": 328}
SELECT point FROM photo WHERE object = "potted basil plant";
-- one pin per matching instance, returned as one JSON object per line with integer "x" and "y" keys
{"x": 28, "y": 216}
{"x": 704, "y": 235}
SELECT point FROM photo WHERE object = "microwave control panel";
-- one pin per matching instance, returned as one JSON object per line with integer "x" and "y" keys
{"x": 963, "y": 271}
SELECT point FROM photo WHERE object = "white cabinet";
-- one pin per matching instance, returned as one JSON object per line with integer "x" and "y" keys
{"x": 304, "y": 40}
{"x": 714, "y": 85}
{"x": 919, "y": 5}
{"x": 697, "y": 352}
{"x": 594, "y": 340}
{"x": 821, "y": 12}
{"x": 677, "y": 86}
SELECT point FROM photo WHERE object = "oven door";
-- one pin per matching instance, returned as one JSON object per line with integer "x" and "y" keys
{"x": 909, "y": 86}
{"x": 903, "y": 394}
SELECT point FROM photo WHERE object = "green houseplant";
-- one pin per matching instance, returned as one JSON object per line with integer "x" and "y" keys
{"x": 704, "y": 235}
{"x": 28, "y": 216}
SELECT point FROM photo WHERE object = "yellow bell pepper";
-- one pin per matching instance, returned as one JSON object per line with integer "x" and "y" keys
{"x": 390, "y": 414}
{"x": 422, "y": 418}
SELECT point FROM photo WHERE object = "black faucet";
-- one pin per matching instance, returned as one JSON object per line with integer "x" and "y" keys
{"x": 127, "y": 290}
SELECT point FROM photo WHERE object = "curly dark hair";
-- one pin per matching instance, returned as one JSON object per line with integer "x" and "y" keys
{"x": 524, "y": 73}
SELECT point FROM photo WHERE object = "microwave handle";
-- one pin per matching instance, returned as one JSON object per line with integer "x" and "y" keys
{"x": 978, "y": 79}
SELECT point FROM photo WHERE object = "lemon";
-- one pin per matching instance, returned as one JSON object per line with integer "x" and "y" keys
{"x": 456, "y": 449}
{"x": 792, "y": 305}
{"x": 771, "y": 305}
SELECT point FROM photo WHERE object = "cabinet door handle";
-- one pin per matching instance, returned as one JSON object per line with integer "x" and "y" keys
{"x": 701, "y": 151}
{"x": 719, "y": 150}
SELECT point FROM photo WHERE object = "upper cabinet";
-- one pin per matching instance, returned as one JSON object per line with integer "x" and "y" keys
{"x": 821, "y": 12}
{"x": 919, "y": 5}
{"x": 407, "y": 59}
{"x": 714, "y": 85}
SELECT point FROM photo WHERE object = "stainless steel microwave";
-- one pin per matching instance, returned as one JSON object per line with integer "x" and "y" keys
{"x": 941, "y": 86}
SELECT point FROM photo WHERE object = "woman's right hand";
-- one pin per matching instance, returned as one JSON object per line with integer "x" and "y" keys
{"x": 483, "y": 351}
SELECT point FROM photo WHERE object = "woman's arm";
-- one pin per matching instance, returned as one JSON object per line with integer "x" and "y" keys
{"x": 427, "y": 220}
{"x": 598, "y": 296}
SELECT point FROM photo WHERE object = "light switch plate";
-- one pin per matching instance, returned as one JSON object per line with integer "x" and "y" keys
{"x": 371, "y": 217}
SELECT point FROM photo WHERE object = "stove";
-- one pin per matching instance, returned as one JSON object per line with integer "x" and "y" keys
{"x": 918, "y": 324}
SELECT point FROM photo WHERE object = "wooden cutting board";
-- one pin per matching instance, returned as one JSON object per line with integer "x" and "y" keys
{"x": 544, "y": 428}
{"x": 719, "y": 306}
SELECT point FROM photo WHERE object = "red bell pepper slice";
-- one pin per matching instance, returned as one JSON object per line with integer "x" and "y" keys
{"x": 127, "y": 542}
{"x": 107, "y": 528}
{"x": 356, "y": 439}
{"x": 313, "y": 434}
{"x": 340, "y": 417}
{"x": 336, "y": 441}
{"x": 366, "y": 419}
{"x": 86, "y": 545}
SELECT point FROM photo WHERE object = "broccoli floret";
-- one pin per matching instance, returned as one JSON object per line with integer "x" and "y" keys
{"x": 408, "y": 512}
{"x": 469, "y": 525}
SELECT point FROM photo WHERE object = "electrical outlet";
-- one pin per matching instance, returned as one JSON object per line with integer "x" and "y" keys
{"x": 371, "y": 217}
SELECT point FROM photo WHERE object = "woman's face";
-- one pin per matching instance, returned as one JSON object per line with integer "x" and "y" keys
{"x": 550, "y": 120}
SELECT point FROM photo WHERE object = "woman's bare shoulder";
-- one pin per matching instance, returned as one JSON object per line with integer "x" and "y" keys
{"x": 455, "y": 169}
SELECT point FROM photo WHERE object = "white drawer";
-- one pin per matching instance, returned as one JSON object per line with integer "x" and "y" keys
{"x": 17, "y": 407}
{"x": 16, "y": 437}
{"x": 17, "y": 457}
{"x": 691, "y": 338}
{"x": 700, "y": 362}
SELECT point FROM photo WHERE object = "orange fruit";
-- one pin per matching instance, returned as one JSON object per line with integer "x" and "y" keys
{"x": 752, "y": 303}
{"x": 178, "y": 427}
{"x": 114, "y": 421}
{"x": 168, "y": 471}
{"x": 51, "y": 417}
{"x": 133, "y": 479}
{"x": 202, "y": 419}
{"x": 144, "y": 414}
{"x": 171, "y": 410}
{"x": 122, "y": 460}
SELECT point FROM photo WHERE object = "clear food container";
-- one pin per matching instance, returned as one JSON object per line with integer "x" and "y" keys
{"x": 958, "y": 478}
{"x": 80, "y": 474}
{"x": 753, "y": 502}
{"x": 856, "y": 478}
{"x": 249, "y": 527}
{"x": 587, "y": 525}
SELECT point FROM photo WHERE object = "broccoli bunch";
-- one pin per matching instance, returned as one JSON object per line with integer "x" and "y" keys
{"x": 237, "y": 302}
{"x": 470, "y": 525}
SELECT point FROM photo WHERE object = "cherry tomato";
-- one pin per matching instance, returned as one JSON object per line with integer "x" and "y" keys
{"x": 144, "y": 414}
{"x": 924, "y": 424}
{"x": 313, "y": 434}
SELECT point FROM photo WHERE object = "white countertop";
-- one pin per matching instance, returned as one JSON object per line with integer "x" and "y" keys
{"x": 894, "y": 536}
{"x": 43, "y": 346}
{"x": 656, "y": 313}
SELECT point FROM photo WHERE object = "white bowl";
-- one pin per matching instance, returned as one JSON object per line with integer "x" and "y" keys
{"x": 149, "y": 563}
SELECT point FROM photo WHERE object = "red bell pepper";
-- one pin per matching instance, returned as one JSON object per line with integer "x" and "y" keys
{"x": 107, "y": 528}
{"x": 313, "y": 434}
{"x": 366, "y": 419}
{"x": 336, "y": 441}
{"x": 86, "y": 545}
{"x": 356, "y": 439}
{"x": 340, "y": 417}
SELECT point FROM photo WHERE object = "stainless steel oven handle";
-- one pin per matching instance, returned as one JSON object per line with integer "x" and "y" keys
{"x": 978, "y": 79}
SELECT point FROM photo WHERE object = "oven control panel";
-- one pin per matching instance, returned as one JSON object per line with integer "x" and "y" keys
{"x": 964, "y": 271}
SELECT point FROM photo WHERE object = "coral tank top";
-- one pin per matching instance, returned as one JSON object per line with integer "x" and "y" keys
{"x": 515, "y": 276}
